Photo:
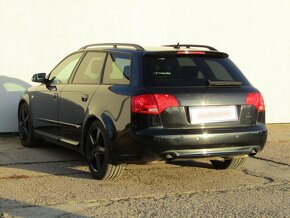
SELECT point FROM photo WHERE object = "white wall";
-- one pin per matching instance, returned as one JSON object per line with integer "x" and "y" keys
{"x": 36, "y": 34}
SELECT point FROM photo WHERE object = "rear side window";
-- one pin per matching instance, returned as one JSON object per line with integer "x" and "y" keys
{"x": 117, "y": 69}
{"x": 90, "y": 69}
{"x": 189, "y": 71}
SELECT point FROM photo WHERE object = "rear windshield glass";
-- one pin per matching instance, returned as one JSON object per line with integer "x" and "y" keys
{"x": 189, "y": 71}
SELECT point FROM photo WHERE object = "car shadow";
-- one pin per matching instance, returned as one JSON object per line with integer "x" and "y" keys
{"x": 15, "y": 208}
{"x": 10, "y": 92}
{"x": 47, "y": 159}
{"x": 51, "y": 159}
{"x": 190, "y": 163}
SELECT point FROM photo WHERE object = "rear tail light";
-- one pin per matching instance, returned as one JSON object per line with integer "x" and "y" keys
{"x": 256, "y": 99}
{"x": 152, "y": 103}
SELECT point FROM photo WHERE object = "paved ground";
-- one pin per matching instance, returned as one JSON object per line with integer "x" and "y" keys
{"x": 54, "y": 182}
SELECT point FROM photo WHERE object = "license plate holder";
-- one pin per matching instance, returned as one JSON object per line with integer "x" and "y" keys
{"x": 213, "y": 114}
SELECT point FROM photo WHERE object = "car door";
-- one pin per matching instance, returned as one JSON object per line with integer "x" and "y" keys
{"x": 76, "y": 96}
{"x": 113, "y": 95}
{"x": 45, "y": 100}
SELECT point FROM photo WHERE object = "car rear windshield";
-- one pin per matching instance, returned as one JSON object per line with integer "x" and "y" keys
{"x": 190, "y": 70}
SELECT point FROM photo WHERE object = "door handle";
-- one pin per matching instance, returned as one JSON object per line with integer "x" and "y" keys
{"x": 85, "y": 98}
{"x": 55, "y": 96}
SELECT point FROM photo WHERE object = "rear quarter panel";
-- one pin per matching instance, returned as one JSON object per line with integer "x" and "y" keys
{"x": 111, "y": 104}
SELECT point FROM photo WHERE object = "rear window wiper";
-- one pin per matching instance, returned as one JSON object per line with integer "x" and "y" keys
{"x": 224, "y": 83}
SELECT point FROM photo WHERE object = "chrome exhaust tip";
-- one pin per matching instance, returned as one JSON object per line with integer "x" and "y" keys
{"x": 253, "y": 152}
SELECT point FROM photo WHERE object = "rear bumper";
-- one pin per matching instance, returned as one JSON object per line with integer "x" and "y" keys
{"x": 158, "y": 143}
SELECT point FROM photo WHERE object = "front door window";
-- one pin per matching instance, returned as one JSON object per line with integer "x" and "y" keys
{"x": 62, "y": 72}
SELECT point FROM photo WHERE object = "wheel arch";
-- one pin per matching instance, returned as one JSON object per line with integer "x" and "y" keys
{"x": 24, "y": 100}
{"x": 107, "y": 123}
{"x": 21, "y": 102}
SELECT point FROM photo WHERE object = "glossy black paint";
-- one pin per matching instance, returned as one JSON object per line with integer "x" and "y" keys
{"x": 62, "y": 113}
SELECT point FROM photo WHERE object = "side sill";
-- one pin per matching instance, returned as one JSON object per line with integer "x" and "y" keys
{"x": 56, "y": 138}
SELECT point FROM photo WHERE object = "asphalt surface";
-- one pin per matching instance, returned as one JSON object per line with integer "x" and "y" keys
{"x": 51, "y": 181}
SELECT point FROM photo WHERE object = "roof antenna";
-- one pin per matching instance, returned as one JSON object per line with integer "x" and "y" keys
{"x": 177, "y": 46}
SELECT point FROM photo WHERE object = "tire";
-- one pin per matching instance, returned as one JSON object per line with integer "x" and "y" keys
{"x": 232, "y": 163}
{"x": 25, "y": 127}
{"x": 99, "y": 154}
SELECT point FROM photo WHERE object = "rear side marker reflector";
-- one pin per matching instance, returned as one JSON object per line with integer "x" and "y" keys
{"x": 191, "y": 52}
{"x": 256, "y": 99}
{"x": 152, "y": 103}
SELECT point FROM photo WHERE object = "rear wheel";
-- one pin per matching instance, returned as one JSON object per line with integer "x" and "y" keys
{"x": 25, "y": 127}
{"x": 232, "y": 163}
{"x": 99, "y": 154}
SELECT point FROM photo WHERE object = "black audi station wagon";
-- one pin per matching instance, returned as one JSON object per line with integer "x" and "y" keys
{"x": 120, "y": 103}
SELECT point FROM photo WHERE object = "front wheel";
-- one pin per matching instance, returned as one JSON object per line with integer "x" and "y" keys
{"x": 231, "y": 163}
{"x": 99, "y": 154}
{"x": 25, "y": 127}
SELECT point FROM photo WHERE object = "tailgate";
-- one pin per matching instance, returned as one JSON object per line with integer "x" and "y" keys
{"x": 209, "y": 108}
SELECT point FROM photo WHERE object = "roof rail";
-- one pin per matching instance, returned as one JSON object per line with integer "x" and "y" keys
{"x": 177, "y": 46}
{"x": 115, "y": 45}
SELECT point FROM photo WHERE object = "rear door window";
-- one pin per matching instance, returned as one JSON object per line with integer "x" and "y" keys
{"x": 189, "y": 70}
{"x": 90, "y": 69}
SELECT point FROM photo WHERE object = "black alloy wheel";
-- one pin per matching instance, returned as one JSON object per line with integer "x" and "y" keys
{"x": 25, "y": 127}
{"x": 99, "y": 154}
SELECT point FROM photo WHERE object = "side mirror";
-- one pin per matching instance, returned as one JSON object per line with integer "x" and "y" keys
{"x": 39, "y": 78}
